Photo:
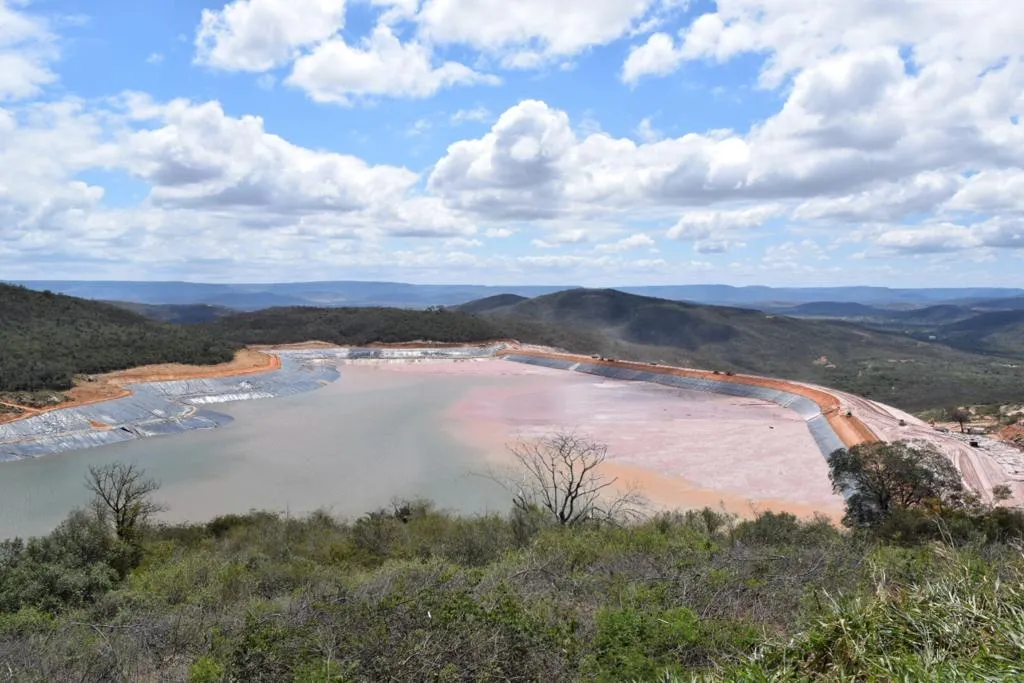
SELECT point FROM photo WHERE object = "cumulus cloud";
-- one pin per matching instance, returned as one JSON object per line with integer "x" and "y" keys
{"x": 635, "y": 241}
{"x": 700, "y": 225}
{"x": 798, "y": 33}
{"x": 526, "y": 33}
{"x": 27, "y": 50}
{"x": 381, "y": 65}
{"x": 258, "y": 35}
{"x": 200, "y": 157}
{"x": 658, "y": 56}
{"x": 646, "y": 131}
{"x": 475, "y": 115}
{"x": 562, "y": 238}
{"x": 898, "y": 127}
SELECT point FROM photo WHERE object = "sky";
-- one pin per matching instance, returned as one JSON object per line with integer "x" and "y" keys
{"x": 591, "y": 142}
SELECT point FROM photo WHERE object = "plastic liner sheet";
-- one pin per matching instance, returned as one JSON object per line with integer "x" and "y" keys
{"x": 161, "y": 408}
{"x": 824, "y": 436}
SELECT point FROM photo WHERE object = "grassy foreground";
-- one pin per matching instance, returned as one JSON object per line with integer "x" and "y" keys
{"x": 411, "y": 594}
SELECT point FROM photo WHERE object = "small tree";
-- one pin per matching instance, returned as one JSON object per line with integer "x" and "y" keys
{"x": 880, "y": 478}
{"x": 961, "y": 416}
{"x": 122, "y": 496}
{"x": 561, "y": 474}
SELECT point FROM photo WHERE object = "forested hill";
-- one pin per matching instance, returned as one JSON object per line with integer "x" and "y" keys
{"x": 48, "y": 338}
{"x": 359, "y": 326}
{"x": 885, "y": 366}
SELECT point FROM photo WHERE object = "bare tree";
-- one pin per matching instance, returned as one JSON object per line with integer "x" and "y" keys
{"x": 122, "y": 494}
{"x": 561, "y": 474}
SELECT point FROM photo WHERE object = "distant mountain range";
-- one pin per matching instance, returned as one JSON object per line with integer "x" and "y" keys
{"x": 251, "y": 297}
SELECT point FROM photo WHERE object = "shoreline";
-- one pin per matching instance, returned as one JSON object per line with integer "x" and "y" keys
{"x": 127, "y": 383}
{"x": 168, "y": 399}
{"x": 110, "y": 386}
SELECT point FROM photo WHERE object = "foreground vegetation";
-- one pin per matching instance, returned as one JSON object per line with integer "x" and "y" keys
{"x": 928, "y": 588}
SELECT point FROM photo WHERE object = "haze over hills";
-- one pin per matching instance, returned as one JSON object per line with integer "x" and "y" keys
{"x": 352, "y": 293}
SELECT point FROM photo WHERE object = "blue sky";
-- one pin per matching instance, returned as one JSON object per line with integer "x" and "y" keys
{"x": 600, "y": 142}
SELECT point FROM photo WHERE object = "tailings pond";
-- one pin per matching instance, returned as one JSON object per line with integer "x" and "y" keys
{"x": 428, "y": 430}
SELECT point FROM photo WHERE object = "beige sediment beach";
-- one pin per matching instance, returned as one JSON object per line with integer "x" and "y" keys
{"x": 683, "y": 449}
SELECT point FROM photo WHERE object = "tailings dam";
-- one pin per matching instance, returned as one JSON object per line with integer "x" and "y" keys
{"x": 348, "y": 430}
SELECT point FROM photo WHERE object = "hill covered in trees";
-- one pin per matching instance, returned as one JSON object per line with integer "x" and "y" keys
{"x": 48, "y": 338}
{"x": 179, "y": 314}
{"x": 886, "y": 366}
{"x": 359, "y": 326}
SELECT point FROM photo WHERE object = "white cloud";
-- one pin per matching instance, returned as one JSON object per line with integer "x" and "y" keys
{"x": 526, "y": 33}
{"x": 475, "y": 115}
{"x": 200, "y": 157}
{"x": 419, "y": 127}
{"x": 715, "y": 231}
{"x": 929, "y": 239}
{"x": 562, "y": 238}
{"x": 155, "y": 58}
{"x": 381, "y": 65}
{"x": 798, "y": 33}
{"x": 533, "y": 165}
{"x": 258, "y": 35}
{"x": 886, "y": 202}
{"x": 1000, "y": 232}
{"x": 898, "y": 128}
{"x": 658, "y": 56}
{"x": 635, "y": 241}
{"x": 27, "y": 49}
{"x": 993, "y": 190}
{"x": 646, "y": 131}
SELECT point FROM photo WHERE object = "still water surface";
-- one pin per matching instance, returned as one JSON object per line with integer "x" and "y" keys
{"x": 349, "y": 447}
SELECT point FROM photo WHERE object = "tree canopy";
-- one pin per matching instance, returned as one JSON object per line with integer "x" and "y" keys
{"x": 49, "y": 338}
{"x": 880, "y": 478}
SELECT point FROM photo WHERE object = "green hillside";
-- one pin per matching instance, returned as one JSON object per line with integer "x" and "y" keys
{"x": 887, "y": 366}
{"x": 999, "y": 332}
{"x": 48, "y": 338}
{"x": 179, "y": 314}
{"x": 360, "y": 326}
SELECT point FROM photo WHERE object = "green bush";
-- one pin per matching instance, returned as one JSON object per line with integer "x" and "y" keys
{"x": 413, "y": 593}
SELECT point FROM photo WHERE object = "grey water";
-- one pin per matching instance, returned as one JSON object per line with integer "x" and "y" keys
{"x": 349, "y": 448}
